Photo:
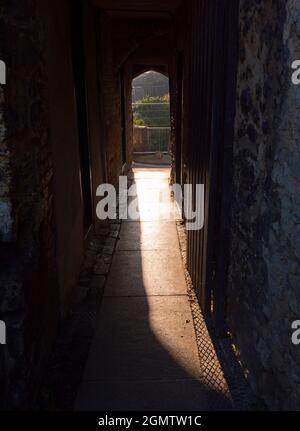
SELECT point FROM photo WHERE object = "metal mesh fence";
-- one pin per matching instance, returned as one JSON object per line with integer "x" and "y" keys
{"x": 151, "y": 126}
{"x": 222, "y": 373}
{"x": 151, "y": 139}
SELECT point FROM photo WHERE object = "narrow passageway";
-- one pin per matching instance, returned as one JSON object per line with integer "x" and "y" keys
{"x": 149, "y": 313}
{"x": 144, "y": 354}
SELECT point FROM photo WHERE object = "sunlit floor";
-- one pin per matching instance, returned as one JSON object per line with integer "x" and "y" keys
{"x": 144, "y": 355}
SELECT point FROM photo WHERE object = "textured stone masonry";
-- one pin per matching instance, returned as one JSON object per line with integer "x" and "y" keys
{"x": 264, "y": 271}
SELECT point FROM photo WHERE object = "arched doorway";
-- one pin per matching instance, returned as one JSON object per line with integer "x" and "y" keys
{"x": 151, "y": 119}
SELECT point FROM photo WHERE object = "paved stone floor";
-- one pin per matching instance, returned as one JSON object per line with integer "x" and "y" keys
{"x": 144, "y": 355}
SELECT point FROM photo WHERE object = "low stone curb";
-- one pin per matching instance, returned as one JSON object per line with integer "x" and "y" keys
{"x": 66, "y": 365}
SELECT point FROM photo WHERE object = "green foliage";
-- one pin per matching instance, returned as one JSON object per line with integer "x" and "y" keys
{"x": 137, "y": 119}
{"x": 155, "y": 99}
{"x": 152, "y": 111}
{"x": 166, "y": 98}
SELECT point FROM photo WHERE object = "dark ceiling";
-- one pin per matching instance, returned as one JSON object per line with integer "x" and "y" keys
{"x": 138, "y": 5}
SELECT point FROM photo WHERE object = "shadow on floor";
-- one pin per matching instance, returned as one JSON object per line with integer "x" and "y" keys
{"x": 144, "y": 354}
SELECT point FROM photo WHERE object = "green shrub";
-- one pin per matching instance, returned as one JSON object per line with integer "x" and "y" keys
{"x": 152, "y": 111}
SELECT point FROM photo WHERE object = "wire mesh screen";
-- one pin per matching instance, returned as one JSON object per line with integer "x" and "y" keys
{"x": 151, "y": 139}
{"x": 151, "y": 126}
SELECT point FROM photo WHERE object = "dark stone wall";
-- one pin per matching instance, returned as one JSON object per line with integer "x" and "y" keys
{"x": 264, "y": 275}
{"x": 41, "y": 207}
{"x": 28, "y": 282}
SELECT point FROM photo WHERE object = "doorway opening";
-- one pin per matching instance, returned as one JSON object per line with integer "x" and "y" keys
{"x": 151, "y": 119}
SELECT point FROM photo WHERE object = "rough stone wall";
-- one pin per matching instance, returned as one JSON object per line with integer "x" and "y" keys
{"x": 264, "y": 275}
{"x": 6, "y": 217}
{"x": 27, "y": 277}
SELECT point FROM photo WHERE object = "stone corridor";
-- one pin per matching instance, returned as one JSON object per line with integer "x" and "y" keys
{"x": 144, "y": 355}
{"x": 138, "y": 313}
